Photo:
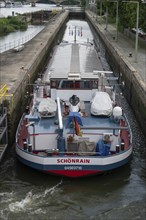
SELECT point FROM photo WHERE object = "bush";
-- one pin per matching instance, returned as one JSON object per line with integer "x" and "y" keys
{"x": 11, "y": 24}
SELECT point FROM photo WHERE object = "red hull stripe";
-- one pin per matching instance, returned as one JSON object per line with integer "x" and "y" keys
{"x": 74, "y": 173}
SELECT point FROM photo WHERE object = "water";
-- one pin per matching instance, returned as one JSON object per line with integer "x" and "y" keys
{"x": 26, "y": 194}
{"x": 20, "y": 37}
{"x": 119, "y": 195}
{"x": 5, "y": 12}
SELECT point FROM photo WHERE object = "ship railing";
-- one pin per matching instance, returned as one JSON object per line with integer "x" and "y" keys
{"x": 77, "y": 153}
{"x": 105, "y": 128}
{"x": 128, "y": 125}
{"x": 19, "y": 127}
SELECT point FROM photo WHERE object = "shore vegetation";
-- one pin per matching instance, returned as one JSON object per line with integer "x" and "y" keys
{"x": 11, "y": 24}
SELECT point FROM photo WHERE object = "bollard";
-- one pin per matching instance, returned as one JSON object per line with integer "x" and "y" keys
{"x": 122, "y": 146}
{"x": 117, "y": 148}
{"x": 29, "y": 147}
{"x": 25, "y": 145}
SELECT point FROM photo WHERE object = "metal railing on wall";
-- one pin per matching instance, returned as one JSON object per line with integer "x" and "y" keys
{"x": 16, "y": 43}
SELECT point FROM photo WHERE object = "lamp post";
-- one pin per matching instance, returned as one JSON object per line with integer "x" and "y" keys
{"x": 33, "y": 126}
{"x": 100, "y": 7}
{"x": 137, "y": 24}
{"x": 106, "y": 18}
{"x": 117, "y": 19}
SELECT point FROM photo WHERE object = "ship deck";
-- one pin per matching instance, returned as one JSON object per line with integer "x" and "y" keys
{"x": 50, "y": 125}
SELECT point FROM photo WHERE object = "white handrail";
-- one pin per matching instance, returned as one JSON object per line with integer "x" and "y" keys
{"x": 59, "y": 113}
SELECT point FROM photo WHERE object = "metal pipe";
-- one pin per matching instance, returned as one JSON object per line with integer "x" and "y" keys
{"x": 100, "y": 7}
{"x": 106, "y": 18}
{"x": 33, "y": 127}
{"x": 59, "y": 113}
{"x": 117, "y": 19}
{"x": 104, "y": 128}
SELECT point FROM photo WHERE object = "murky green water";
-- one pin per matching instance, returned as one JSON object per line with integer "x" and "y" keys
{"x": 27, "y": 194}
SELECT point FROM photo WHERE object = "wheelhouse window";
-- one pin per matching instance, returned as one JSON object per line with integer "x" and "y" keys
{"x": 74, "y": 84}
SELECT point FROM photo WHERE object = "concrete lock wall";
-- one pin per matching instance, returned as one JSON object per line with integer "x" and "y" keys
{"x": 134, "y": 87}
{"x": 44, "y": 43}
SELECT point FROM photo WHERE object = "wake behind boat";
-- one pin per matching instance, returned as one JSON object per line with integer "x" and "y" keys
{"x": 74, "y": 126}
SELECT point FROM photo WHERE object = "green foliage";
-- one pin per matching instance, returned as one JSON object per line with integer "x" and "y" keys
{"x": 54, "y": 12}
{"x": 128, "y": 15}
{"x": 11, "y": 24}
{"x": 127, "y": 12}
